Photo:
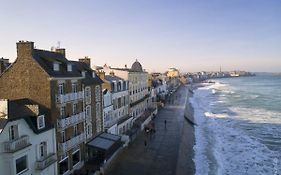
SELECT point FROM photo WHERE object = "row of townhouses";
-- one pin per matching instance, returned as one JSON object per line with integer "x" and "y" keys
{"x": 57, "y": 114}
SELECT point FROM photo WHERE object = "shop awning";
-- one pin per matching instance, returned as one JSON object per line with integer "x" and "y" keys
{"x": 104, "y": 141}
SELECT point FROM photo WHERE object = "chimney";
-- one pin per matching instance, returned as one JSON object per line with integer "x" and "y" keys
{"x": 86, "y": 60}
{"x": 2, "y": 67}
{"x": 25, "y": 49}
{"x": 101, "y": 74}
{"x": 4, "y": 103}
{"x": 111, "y": 73}
{"x": 61, "y": 51}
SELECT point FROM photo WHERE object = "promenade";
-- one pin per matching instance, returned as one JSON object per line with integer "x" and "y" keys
{"x": 168, "y": 152}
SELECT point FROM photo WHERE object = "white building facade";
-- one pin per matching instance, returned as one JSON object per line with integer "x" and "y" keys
{"x": 24, "y": 150}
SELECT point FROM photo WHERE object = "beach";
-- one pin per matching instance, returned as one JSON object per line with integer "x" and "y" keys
{"x": 169, "y": 150}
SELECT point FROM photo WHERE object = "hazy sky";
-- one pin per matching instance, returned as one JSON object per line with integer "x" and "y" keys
{"x": 191, "y": 35}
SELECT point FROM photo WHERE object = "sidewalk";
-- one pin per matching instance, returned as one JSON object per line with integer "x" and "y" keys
{"x": 168, "y": 151}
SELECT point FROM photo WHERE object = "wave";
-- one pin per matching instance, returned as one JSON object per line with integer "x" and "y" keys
{"x": 222, "y": 146}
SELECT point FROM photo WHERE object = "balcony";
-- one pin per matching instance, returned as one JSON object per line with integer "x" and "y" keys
{"x": 69, "y": 121}
{"x": 65, "y": 146}
{"x": 64, "y": 98}
{"x": 46, "y": 161}
{"x": 17, "y": 144}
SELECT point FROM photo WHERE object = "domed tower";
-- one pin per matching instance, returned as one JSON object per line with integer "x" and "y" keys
{"x": 137, "y": 67}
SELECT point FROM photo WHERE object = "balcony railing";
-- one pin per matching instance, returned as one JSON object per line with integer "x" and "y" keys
{"x": 64, "y": 98}
{"x": 46, "y": 161}
{"x": 69, "y": 121}
{"x": 17, "y": 144}
{"x": 65, "y": 146}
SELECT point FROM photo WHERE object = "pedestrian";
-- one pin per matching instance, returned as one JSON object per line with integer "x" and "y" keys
{"x": 165, "y": 123}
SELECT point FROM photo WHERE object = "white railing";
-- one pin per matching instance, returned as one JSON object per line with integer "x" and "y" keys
{"x": 46, "y": 161}
{"x": 17, "y": 144}
{"x": 65, "y": 146}
{"x": 64, "y": 98}
{"x": 69, "y": 121}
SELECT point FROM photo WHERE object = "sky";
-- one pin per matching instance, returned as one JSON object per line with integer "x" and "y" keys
{"x": 191, "y": 35}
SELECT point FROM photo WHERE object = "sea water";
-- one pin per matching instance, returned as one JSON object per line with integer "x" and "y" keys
{"x": 238, "y": 127}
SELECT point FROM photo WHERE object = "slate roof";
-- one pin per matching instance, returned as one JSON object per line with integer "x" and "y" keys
{"x": 17, "y": 110}
{"x": 89, "y": 80}
{"x": 46, "y": 60}
{"x": 113, "y": 78}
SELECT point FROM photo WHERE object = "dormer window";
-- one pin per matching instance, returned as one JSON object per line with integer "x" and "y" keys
{"x": 94, "y": 75}
{"x": 41, "y": 122}
{"x": 69, "y": 67}
{"x": 56, "y": 66}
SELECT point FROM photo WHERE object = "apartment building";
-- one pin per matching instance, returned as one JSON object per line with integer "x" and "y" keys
{"x": 120, "y": 120}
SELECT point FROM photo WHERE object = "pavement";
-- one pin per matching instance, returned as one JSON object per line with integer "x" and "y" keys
{"x": 169, "y": 151}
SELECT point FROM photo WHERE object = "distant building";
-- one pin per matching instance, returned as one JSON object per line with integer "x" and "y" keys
{"x": 28, "y": 143}
{"x": 173, "y": 72}
{"x": 138, "y": 88}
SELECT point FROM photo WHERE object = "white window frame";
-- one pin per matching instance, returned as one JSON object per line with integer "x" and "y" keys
{"x": 97, "y": 93}
{"x": 61, "y": 88}
{"x": 62, "y": 111}
{"x": 74, "y": 108}
{"x": 40, "y": 119}
{"x": 74, "y": 87}
{"x": 88, "y": 111}
{"x": 43, "y": 147}
{"x": 88, "y": 94}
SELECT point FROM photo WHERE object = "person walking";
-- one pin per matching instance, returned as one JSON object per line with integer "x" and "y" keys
{"x": 165, "y": 124}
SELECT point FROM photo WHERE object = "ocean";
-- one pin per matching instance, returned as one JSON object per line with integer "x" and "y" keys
{"x": 238, "y": 127}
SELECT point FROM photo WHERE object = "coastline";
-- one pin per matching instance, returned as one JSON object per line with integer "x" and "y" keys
{"x": 186, "y": 164}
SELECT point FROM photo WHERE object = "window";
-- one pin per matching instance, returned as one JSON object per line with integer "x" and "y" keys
{"x": 112, "y": 87}
{"x": 75, "y": 108}
{"x": 88, "y": 111}
{"x": 62, "y": 111}
{"x": 61, "y": 88}
{"x": 76, "y": 158}
{"x": 63, "y": 166}
{"x": 43, "y": 149}
{"x": 124, "y": 85}
{"x": 76, "y": 130}
{"x": 62, "y": 136}
{"x": 98, "y": 93}
{"x": 88, "y": 129}
{"x": 13, "y": 132}
{"x": 41, "y": 121}
{"x": 21, "y": 164}
{"x": 88, "y": 95}
{"x": 74, "y": 87}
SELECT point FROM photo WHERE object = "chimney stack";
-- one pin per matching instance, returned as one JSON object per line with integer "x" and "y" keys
{"x": 25, "y": 49}
{"x": 101, "y": 74}
{"x": 61, "y": 51}
{"x": 86, "y": 60}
